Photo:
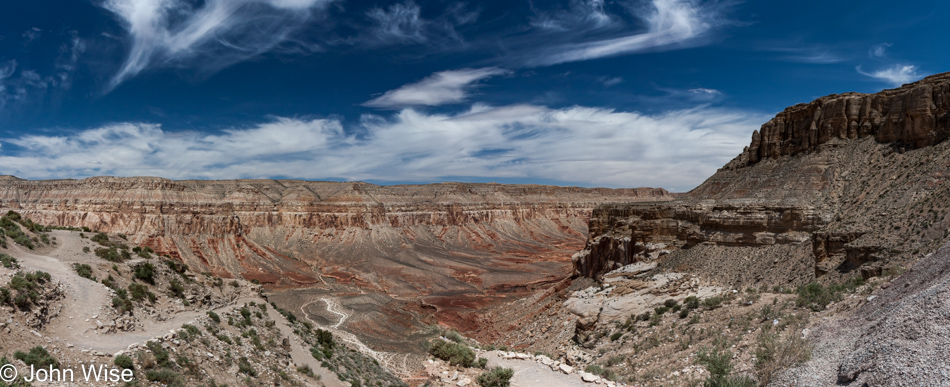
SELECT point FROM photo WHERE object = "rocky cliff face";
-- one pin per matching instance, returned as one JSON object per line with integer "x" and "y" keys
{"x": 849, "y": 183}
{"x": 915, "y": 115}
{"x": 412, "y": 240}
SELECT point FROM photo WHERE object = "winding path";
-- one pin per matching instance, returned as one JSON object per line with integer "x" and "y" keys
{"x": 398, "y": 363}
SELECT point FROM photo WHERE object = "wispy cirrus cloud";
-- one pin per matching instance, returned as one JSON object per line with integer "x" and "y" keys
{"x": 441, "y": 88}
{"x": 668, "y": 24}
{"x": 879, "y": 50}
{"x": 895, "y": 75}
{"x": 210, "y": 36}
{"x": 581, "y": 14}
{"x": 676, "y": 150}
{"x": 402, "y": 23}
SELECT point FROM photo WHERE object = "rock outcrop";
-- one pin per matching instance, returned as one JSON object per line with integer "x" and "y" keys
{"x": 409, "y": 239}
{"x": 915, "y": 115}
{"x": 847, "y": 184}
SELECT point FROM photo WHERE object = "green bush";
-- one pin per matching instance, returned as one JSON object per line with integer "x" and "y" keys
{"x": 84, "y": 271}
{"x": 454, "y": 336}
{"x": 482, "y": 362}
{"x": 166, "y": 377}
{"x": 712, "y": 303}
{"x": 244, "y": 367}
{"x": 37, "y": 357}
{"x": 719, "y": 365}
{"x": 454, "y": 353}
{"x": 176, "y": 288}
{"x": 8, "y": 261}
{"x": 816, "y": 297}
{"x": 497, "y": 377}
{"x": 124, "y": 361}
{"x": 214, "y": 317}
{"x": 161, "y": 354}
{"x": 140, "y": 292}
{"x": 145, "y": 272}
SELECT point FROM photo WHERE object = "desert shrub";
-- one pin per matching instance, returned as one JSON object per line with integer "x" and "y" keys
{"x": 176, "y": 288}
{"x": 85, "y": 249}
{"x": 166, "y": 377}
{"x": 8, "y": 261}
{"x": 160, "y": 353}
{"x": 684, "y": 313}
{"x": 616, "y": 336}
{"x": 84, "y": 271}
{"x": 816, "y": 297}
{"x": 454, "y": 336}
{"x": 139, "y": 292}
{"x": 145, "y": 272}
{"x": 306, "y": 370}
{"x": 244, "y": 367}
{"x": 712, "y": 303}
{"x": 645, "y": 316}
{"x": 719, "y": 365}
{"x": 454, "y": 353}
{"x": 774, "y": 353}
{"x": 660, "y": 310}
{"x": 112, "y": 254}
{"x": 110, "y": 282}
{"x": 496, "y": 377}
{"x": 37, "y": 357}
{"x": 24, "y": 241}
{"x": 124, "y": 361}
{"x": 179, "y": 268}
{"x": 102, "y": 239}
{"x": 670, "y": 303}
{"x": 481, "y": 362}
{"x": 122, "y": 304}
{"x": 214, "y": 317}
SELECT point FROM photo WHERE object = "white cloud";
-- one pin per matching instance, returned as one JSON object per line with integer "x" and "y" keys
{"x": 403, "y": 23}
{"x": 578, "y": 145}
{"x": 32, "y": 34}
{"x": 441, "y": 88}
{"x": 879, "y": 50}
{"x": 582, "y": 14}
{"x": 171, "y": 33}
{"x": 896, "y": 75}
{"x": 668, "y": 23}
{"x": 612, "y": 81}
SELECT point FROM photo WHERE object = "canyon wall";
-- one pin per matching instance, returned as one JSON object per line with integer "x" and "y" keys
{"x": 847, "y": 184}
{"x": 409, "y": 239}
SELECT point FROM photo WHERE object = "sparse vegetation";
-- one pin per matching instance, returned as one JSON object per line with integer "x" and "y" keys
{"x": 37, "y": 357}
{"x": 454, "y": 353}
{"x": 496, "y": 377}
{"x": 84, "y": 271}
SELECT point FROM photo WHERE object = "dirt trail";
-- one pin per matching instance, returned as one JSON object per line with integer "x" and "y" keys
{"x": 90, "y": 300}
{"x": 301, "y": 355}
{"x": 397, "y": 363}
{"x": 529, "y": 373}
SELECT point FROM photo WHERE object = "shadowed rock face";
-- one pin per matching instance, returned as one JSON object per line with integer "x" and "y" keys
{"x": 847, "y": 184}
{"x": 915, "y": 115}
{"x": 408, "y": 240}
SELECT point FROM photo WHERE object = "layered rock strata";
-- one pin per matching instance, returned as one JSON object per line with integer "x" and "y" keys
{"x": 424, "y": 239}
{"x": 847, "y": 184}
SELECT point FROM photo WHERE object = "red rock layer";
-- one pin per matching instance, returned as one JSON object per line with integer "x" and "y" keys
{"x": 409, "y": 239}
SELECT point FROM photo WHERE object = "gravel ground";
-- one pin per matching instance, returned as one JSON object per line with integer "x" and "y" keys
{"x": 899, "y": 338}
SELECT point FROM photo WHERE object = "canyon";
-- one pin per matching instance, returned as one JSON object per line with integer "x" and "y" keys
{"x": 846, "y": 192}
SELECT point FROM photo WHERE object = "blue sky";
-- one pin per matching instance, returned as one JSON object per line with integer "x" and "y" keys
{"x": 576, "y": 92}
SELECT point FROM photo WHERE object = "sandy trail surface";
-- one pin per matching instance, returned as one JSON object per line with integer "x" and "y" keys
{"x": 87, "y": 301}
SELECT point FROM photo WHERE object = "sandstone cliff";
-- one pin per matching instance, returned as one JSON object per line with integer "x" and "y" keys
{"x": 847, "y": 184}
{"x": 411, "y": 240}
